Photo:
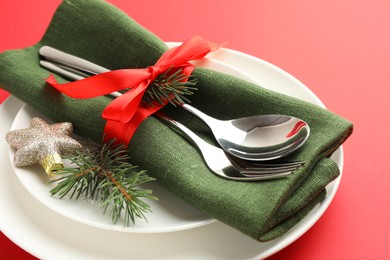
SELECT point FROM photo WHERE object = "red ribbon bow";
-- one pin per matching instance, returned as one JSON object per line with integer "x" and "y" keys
{"x": 125, "y": 113}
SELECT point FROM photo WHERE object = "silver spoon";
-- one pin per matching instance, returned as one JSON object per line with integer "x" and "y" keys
{"x": 246, "y": 167}
{"x": 258, "y": 138}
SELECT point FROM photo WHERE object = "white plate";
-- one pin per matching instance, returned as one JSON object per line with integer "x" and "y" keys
{"x": 168, "y": 214}
{"x": 49, "y": 235}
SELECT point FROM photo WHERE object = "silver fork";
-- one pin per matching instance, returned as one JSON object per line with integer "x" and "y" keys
{"x": 215, "y": 158}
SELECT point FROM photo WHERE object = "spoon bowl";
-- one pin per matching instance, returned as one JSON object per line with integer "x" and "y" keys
{"x": 258, "y": 138}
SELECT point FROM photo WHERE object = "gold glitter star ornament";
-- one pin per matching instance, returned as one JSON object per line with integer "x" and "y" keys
{"x": 42, "y": 143}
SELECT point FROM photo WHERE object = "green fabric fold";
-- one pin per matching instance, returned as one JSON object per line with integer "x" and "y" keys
{"x": 98, "y": 31}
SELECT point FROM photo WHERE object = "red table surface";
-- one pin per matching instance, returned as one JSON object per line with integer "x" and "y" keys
{"x": 339, "y": 49}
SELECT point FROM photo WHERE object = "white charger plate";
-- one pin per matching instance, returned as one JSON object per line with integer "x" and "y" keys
{"x": 47, "y": 234}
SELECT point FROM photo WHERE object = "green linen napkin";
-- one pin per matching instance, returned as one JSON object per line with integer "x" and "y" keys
{"x": 97, "y": 31}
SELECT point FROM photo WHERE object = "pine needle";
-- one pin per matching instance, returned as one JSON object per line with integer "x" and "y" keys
{"x": 170, "y": 87}
{"x": 106, "y": 175}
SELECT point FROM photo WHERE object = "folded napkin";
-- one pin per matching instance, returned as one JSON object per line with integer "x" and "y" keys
{"x": 97, "y": 31}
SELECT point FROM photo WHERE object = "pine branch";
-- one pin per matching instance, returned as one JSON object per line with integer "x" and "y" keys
{"x": 171, "y": 87}
{"x": 105, "y": 174}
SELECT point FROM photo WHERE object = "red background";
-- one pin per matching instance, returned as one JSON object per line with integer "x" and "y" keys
{"x": 339, "y": 49}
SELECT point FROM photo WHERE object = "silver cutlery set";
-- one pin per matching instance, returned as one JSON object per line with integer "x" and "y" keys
{"x": 247, "y": 146}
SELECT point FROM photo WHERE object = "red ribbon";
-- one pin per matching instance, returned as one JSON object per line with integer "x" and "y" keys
{"x": 125, "y": 113}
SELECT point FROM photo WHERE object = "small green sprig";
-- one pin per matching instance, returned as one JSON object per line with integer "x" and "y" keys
{"x": 105, "y": 174}
{"x": 171, "y": 87}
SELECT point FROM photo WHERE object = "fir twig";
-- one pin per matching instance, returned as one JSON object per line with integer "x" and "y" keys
{"x": 171, "y": 87}
{"x": 106, "y": 175}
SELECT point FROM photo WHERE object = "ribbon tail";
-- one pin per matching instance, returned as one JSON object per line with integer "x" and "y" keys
{"x": 215, "y": 46}
{"x": 193, "y": 49}
{"x": 123, "y": 132}
{"x": 124, "y": 107}
{"x": 101, "y": 84}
